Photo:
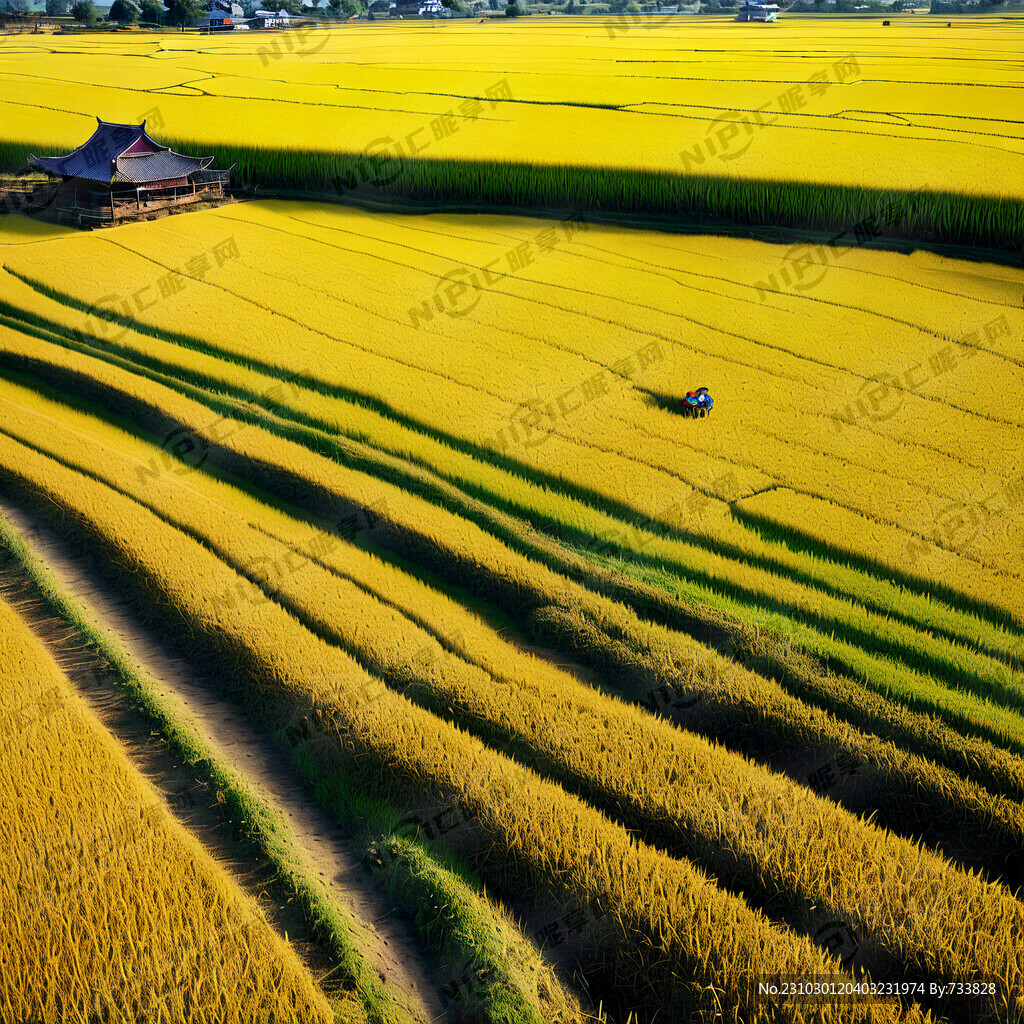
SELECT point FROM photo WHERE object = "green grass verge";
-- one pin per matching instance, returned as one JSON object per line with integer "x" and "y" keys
{"x": 501, "y": 966}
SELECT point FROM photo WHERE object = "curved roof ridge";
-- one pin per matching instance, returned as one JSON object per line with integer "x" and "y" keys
{"x": 103, "y": 157}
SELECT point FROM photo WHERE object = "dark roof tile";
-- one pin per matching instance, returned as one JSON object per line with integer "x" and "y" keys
{"x": 100, "y": 158}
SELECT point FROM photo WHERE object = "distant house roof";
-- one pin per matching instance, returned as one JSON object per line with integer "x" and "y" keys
{"x": 121, "y": 153}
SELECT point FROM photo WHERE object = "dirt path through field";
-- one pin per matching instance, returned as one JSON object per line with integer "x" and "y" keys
{"x": 392, "y": 949}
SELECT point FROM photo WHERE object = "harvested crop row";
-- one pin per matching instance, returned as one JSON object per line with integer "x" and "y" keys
{"x": 666, "y": 928}
{"x": 99, "y": 879}
{"x": 643, "y": 772}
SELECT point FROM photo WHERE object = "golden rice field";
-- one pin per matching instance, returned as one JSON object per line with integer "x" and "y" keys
{"x": 915, "y": 105}
{"x": 687, "y": 703}
{"x": 110, "y": 909}
{"x": 365, "y": 499}
{"x": 797, "y": 122}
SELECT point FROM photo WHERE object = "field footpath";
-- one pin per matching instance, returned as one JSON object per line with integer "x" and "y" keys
{"x": 388, "y": 942}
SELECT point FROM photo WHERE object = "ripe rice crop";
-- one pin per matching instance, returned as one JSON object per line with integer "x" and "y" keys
{"x": 818, "y": 574}
{"x": 533, "y": 831}
{"x": 574, "y": 718}
{"x": 685, "y": 116}
{"x": 111, "y": 909}
{"x": 1003, "y": 724}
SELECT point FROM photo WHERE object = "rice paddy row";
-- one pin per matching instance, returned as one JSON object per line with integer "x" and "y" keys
{"x": 279, "y": 591}
{"x": 98, "y": 878}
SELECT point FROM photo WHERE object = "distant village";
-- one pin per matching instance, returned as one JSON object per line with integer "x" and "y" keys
{"x": 230, "y": 16}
